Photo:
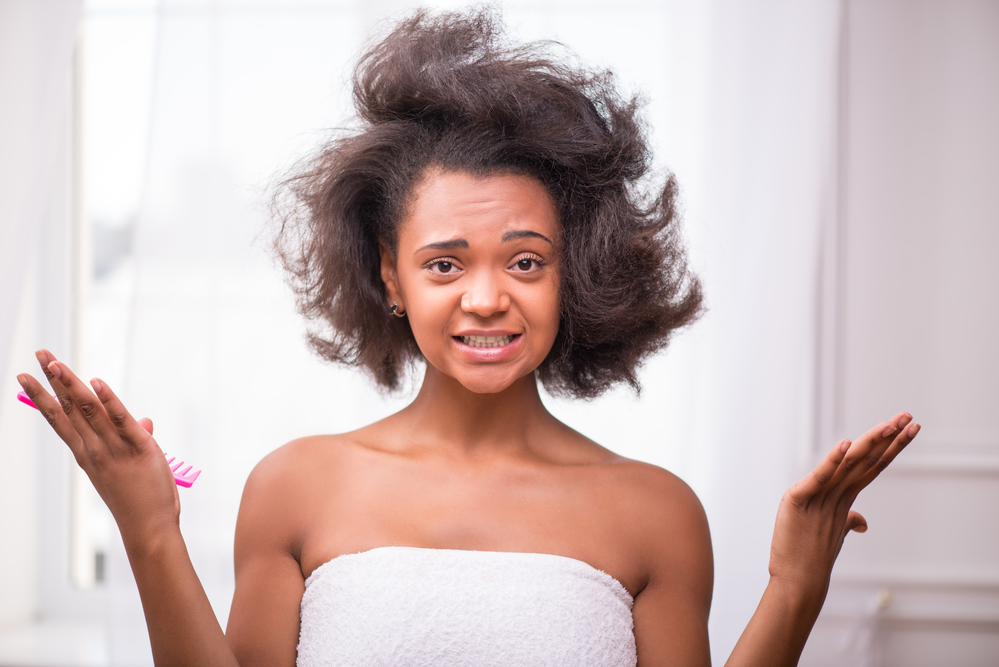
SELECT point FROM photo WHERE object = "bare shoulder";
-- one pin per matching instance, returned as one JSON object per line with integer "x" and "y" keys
{"x": 300, "y": 460}
{"x": 282, "y": 471}
{"x": 285, "y": 482}
{"x": 664, "y": 500}
{"x": 662, "y": 515}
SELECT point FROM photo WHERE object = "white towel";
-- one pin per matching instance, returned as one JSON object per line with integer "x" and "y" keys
{"x": 407, "y": 606}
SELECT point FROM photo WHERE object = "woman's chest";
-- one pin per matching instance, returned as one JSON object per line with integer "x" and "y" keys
{"x": 575, "y": 514}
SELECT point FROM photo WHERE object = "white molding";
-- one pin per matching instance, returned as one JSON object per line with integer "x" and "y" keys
{"x": 916, "y": 578}
{"x": 963, "y": 603}
{"x": 936, "y": 464}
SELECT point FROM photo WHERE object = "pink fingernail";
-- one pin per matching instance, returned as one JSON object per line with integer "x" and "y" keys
{"x": 54, "y": 369}
{"x": 96, "y": 384}
{"x": 23, "y": 381}
{"x": 888, "y": 431}
{"x": 845, "y": 446}
{"x": 913, "y": 430}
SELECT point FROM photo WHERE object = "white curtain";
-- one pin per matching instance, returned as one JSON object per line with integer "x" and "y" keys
{"x": 196, "y": 330}
{"x": 37, "y": 40}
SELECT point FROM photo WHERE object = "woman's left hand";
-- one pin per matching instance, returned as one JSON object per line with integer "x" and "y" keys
{"x": 815, "y": 516}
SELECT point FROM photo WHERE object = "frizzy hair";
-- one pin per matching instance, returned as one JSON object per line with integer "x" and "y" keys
{"x": 447, "y": 92}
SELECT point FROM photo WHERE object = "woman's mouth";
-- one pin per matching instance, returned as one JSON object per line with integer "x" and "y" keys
{"x": 486, "y": 341}
{"x": 480, "y": 348}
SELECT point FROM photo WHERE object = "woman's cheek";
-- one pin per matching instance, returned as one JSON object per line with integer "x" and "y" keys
{"x": 431, "y": 312}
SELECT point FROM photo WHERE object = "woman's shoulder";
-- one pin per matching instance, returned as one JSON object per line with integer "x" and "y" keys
{"x": 644, "y": 520}
{"x": 665, "y": 528}
{"x": 638, "y": 483}
{"x": 300, "y": 461}
{"x": 288, "y": 486}
{"x": 655, "y": 498}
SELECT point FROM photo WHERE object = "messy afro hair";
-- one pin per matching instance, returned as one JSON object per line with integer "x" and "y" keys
{"x": 447, "y": 91}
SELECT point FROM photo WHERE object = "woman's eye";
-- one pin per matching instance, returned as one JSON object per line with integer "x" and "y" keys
{"x": 526, "y": 264}
{"x": 441, "y": 267}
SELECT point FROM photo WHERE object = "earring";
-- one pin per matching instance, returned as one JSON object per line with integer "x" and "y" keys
{"x": 394, "y": 310}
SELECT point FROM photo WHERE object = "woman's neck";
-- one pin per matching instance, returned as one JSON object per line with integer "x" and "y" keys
{"x": 448, "y": 416}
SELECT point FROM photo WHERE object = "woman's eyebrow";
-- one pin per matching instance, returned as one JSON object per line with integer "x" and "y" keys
{"x": 462, "y": 243}
{"x": 523, "y": 234}
{"x": 445, "y": 245}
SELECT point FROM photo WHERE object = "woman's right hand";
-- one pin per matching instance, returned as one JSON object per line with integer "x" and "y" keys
{"x": 119, "y": 454}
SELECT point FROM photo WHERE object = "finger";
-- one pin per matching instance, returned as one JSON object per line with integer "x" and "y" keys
{"x": 866, "y": 451}
{"x": 88, "y": 408}
{"x": 130, "y": 430}
{"x": 814, "y": 482}
{"x": 66, "y": 402}
{"x": 50, "y": 408}
{"x": 856, "y": 522}
{"x": 147, "y": 425}
{"x": 898, "y": 444}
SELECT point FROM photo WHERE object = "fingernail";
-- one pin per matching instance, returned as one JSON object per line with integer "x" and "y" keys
{"x": 913, "y": 430}
{"x": 888, "y": 431}
{"x": 23, "y": 381}
{"x": 845, "y": 446}
{"x": 96, "y": 384}
{"x": 54, "y": 369}
{"x": 43, "y": 358}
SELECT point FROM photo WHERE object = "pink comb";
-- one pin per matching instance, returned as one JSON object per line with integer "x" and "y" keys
{"x": 21, "y": 396}
{"x": 183, "y": 478}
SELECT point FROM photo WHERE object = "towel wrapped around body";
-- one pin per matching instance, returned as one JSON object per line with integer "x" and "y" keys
{"x": 414, "y": 607}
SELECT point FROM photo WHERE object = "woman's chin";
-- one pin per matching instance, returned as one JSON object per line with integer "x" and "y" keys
{"x": 481, "y": 378}
{"x": 491, "y": 380}
{"x": 486, "y": 385}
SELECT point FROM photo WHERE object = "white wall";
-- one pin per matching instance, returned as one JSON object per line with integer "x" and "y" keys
{"x": 913, "y": 319}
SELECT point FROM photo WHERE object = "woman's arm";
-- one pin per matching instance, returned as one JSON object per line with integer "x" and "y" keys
{"x": 129, "y": 471}
{"x": 812, "y": 522}
{"x": 264, "y": 619}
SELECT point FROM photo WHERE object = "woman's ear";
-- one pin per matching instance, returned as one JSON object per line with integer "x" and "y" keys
{"x": 389, "y": 276}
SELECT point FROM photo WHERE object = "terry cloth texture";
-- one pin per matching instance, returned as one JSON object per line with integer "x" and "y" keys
{"x": 414, "y": 607}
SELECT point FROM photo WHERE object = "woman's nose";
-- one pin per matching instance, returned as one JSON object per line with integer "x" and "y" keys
{"x": 485, "y": 297}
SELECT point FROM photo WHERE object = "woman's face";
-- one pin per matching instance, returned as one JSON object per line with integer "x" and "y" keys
{"x": 476, "y": 273}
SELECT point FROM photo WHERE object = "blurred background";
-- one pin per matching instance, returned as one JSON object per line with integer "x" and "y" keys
{"x": 838, "y": 161}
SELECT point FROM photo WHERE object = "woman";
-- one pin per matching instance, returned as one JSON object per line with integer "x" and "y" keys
{"x": 490, "y": 217}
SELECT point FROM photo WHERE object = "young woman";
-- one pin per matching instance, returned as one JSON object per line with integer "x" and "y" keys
{"x": 489, "y": 218}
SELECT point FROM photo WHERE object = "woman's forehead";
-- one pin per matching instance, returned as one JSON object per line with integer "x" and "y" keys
{"x": 458, "y": 205}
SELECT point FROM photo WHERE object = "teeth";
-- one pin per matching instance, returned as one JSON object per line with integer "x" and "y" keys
{"x": 486, "y": 341}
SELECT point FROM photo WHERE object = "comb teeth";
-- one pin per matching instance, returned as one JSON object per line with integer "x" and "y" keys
{"x": 183, "y": 477}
